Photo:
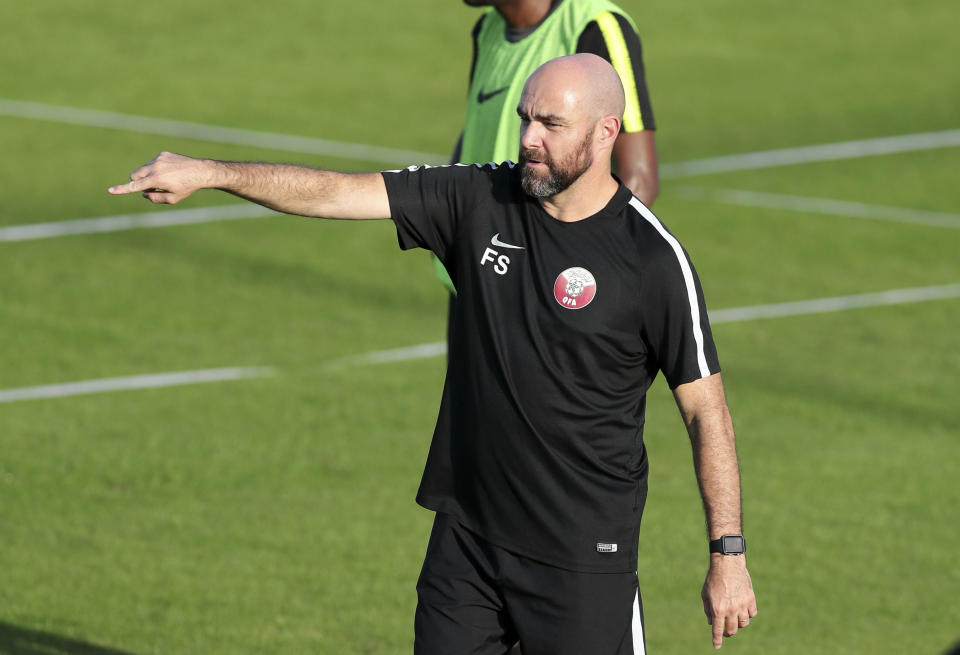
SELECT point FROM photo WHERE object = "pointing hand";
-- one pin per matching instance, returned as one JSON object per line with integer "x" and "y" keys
{"x": 728, "y": 598}
{"x": 168, "y": 179}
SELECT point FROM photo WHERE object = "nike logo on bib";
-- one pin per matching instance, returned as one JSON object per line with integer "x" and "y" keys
{"x": 483, "y": 97}
{"x": 497, "y": 242}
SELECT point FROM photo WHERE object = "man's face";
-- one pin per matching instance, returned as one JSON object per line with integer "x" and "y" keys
{"x": 556, "y": 141}
{"x": 544, "y": 176}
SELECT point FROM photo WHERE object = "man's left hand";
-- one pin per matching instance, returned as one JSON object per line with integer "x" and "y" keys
{"x": 728, "y": 599}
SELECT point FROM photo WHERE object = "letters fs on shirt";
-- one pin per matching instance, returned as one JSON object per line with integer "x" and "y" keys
{"x": 501, "y": 262}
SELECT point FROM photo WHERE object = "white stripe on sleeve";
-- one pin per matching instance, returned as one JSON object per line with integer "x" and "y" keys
{"x": 687, "y": 278}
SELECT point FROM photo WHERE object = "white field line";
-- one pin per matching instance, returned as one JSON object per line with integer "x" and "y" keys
{"x": 289, "y": 143}
{"x": 169, "y": 217}
{"x": 822, "y": 206}
{"x": 29, "y": 232}
{"x": 214, "y": 133}
{"x": 731, "y": 315}
{"x": 811, "y": 154}
{"x": 435, "y": 349}
{"x": 134, "y": 382}
{"x": 422, "y": 351}
{"x": 835, "y": 304}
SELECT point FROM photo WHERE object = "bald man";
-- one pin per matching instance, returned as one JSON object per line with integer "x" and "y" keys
{"x": 510, "y": 40}
{"x": 573, "y": 296}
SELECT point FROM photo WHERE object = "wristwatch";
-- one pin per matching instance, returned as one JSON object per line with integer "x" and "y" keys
{"x": 729, "y": 544}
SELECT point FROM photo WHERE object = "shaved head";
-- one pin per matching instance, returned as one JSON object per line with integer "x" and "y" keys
{"x": 587, "y": 80}
{"x": 571, "y": 110}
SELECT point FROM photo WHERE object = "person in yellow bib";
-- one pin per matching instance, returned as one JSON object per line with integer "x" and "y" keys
{"x": 510, "y": 40}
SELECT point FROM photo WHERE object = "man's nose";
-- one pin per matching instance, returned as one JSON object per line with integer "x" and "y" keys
{"x": 530, "y": 136}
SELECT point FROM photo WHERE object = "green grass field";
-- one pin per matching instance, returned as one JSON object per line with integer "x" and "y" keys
{"x": 277, "y": 514}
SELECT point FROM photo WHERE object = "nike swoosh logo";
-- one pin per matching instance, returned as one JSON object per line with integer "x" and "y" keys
{"x": 497, "y": 242}
{"x": 483, "y": 97}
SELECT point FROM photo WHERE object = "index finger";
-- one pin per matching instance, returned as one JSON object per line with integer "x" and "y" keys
{"x": 130, "y": 187}
{"x": 119, "y": 189}
{"x": 135, "y": 176}
{"x": 718, "y": 623}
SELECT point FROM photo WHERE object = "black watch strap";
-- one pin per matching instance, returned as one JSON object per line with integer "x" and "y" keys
{"x": 729, "y": 544}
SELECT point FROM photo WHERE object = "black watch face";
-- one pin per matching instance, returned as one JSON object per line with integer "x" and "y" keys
{"x": 734, "y": 544}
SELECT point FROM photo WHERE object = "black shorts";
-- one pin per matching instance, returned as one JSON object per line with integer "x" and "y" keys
{"x": 475, "y": 598}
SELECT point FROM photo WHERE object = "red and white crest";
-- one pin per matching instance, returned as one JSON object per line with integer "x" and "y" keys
{"x": 575, "y": 288}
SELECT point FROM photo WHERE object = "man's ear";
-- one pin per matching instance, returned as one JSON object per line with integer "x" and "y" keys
{"x": 608, "y": 129}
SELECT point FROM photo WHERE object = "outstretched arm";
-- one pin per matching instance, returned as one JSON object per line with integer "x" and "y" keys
{"x": 728, "y": 598}
{"x": 170, "y": 178}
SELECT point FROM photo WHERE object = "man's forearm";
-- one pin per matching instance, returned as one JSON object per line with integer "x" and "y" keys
{"x": 703, "y": 407}
{"x": 296, "y": 189}
{"x": 727, "y": 594}
{"x": 170, "y": 178}
{"x": 718, "y": 472}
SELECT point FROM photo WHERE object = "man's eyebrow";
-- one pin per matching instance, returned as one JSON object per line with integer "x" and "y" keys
{"x": 542, "y": 118}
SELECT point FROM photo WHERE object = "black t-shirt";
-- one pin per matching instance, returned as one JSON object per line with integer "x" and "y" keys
{"x": 558, "y": 331}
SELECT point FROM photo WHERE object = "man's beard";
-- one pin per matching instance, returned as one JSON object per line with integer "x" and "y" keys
{"x": 559, "y": 176}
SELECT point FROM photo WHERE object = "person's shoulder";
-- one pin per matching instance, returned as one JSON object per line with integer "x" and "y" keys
{"x": 488, "y": 20}
{"x": 496, "y": 176}
{"x": 497, "y": 181}
{"x": 457, "y": 168}
{"x": 615, "y": 10}
{"x": 610, "y": 23}
{"x": 653, "y": 240}
{"x": 491, "y": 169}
{"x": 475, "y": 32}
{"x": 484, "y": 169}
{"x": 503, "y": 178}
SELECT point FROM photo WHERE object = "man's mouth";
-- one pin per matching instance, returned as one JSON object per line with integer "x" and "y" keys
{"x": 532, "y": 159}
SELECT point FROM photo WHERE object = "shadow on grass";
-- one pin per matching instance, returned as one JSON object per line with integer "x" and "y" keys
{"x": 20, "y": 641}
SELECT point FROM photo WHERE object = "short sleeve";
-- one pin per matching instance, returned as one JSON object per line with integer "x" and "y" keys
{"x": 427, "y": 204}
{"x": 675, "y": 324}
{"x": 612, "y": 37}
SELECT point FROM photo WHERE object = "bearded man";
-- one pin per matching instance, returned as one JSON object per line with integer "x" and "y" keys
{"x": 573, "y": 297}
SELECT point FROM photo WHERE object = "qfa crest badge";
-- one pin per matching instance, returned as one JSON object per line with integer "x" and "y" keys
{"x": 575, "y": 288}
